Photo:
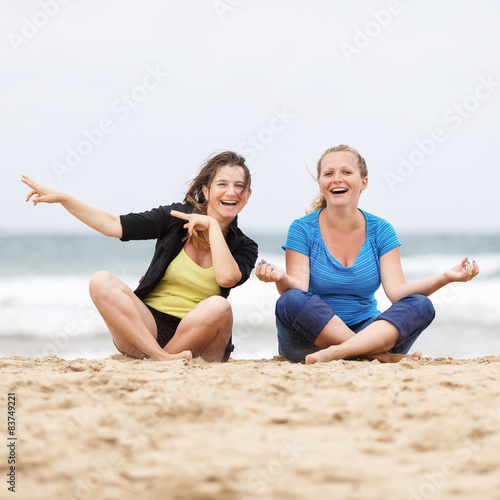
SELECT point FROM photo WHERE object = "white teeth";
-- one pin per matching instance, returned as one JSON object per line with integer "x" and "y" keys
{"x": 230, "y": 203}
{"x": 339, "y": 190}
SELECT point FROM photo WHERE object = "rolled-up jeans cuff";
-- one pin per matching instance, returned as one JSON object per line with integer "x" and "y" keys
{"x": 313, "y": 317}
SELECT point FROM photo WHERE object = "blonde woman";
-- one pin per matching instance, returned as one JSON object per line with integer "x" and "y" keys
{"x": 337, "y": 256}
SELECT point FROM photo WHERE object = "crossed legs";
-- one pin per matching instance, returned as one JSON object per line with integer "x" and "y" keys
{"x": 309, "y": 329}
{"x": 373, "y": 342}
{"x": 205, "y": 331}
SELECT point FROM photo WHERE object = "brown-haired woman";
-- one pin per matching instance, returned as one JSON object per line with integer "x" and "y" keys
{"x": 337, "y": 256}
{"x": 180, "y": 307}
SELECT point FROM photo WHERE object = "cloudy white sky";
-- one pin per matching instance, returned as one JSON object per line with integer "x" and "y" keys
{"x": 169, "y": 82}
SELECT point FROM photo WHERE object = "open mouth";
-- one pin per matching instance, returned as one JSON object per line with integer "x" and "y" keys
{"x": 339, "y": 190}
{"x": 229, "y": 203}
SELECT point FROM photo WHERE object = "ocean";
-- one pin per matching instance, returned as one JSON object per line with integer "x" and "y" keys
{"x": 45, "y": 307}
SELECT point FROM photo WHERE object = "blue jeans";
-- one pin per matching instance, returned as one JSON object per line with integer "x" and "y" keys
{"x": 301, "y": 316}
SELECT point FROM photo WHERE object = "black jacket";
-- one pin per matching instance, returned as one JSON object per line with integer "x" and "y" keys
{"x": 169, "y": 232}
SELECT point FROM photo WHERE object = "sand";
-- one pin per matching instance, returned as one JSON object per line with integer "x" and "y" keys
{"x": 257, "y": 429}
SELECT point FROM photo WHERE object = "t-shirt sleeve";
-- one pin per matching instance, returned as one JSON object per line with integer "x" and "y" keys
{"x": 146, "y": 225}
{"x": 387, "y": 239}
{"x": 298, "y": 238}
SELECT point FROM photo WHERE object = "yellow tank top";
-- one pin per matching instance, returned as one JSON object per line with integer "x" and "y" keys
{"x": 184, "y": 285}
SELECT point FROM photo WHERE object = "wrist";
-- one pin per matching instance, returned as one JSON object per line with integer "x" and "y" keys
{"x": 446, "y": 278}
{"x": 63, "y": 198}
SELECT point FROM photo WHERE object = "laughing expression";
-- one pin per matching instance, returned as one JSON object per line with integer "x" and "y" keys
{"x": 227, "y": 194}
{"x": 340, "y": 180}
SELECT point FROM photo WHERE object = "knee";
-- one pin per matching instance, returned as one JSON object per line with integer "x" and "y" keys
{"x": 291, "y": 303}
{"x": 423, "y": 306}
{"x": 99, "y": 285}
{"x": 219, "y": 306}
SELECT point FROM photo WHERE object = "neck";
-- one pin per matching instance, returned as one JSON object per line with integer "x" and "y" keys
{"x": 342, "y": 219}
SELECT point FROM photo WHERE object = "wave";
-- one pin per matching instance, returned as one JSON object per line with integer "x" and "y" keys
{"x": 55, "y": 309}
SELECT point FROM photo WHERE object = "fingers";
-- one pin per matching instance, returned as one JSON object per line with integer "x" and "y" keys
{"x": 189, "y": 225}
{"x": 180, "y": 215}
{"x": 191, "y": 230}
{"x": 470, "y": 269}
{"x": 35, "y": 189}
{"x": 28, "y": 181}
{"x": 265, "y": 271}
{"x": 30, "y": 194}
{"x": 195, "y": 222}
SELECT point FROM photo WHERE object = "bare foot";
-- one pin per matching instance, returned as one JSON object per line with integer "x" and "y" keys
{"x": 331, "y": 354}
{"x": 322, "y": 356}
{"x": 166, "y": 357}
{"x": 173, "y": 357}
{"x": 388, "y": 357}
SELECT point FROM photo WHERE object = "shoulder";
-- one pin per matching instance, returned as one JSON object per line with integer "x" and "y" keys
{"x": 238, "y": 238}
{"x": 154, "y": 223}
{"x": 164, "y": 209}
{"x": 180, "y": 207}
{"x": 303, "y": 233}
{"x": 381, "y": 233}
{"x": 307, "y": 222}
{"x": 377, "y": 225}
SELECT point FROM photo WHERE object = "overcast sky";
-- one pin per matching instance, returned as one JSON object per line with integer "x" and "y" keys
{"x": 118, "y": 102}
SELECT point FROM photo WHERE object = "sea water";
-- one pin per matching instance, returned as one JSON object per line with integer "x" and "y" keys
{"x": 45, "y": 307}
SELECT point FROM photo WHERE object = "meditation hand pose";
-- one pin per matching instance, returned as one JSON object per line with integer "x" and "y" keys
{"x": 180, "y": 307}
{"x": 336, "y": 258}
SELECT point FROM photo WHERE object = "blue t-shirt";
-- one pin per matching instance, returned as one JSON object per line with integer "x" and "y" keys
{"x": 350, "y": 291}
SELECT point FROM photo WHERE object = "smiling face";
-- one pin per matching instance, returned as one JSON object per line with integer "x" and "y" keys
{"x": 340, "y": 179}
{"x": 227, "y": 194}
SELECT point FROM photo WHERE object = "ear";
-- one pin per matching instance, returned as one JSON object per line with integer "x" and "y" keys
{"x": 364, "y": 183}
{"x": 204, "y": 190}
{"x": 249, "y": 194}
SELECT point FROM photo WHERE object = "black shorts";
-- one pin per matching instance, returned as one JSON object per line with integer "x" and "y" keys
{"x": 166, "y": 326}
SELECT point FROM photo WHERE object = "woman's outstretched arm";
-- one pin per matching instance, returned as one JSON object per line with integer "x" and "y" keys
{"x": 105, "y": 223}
{"x": 396, "y": 286}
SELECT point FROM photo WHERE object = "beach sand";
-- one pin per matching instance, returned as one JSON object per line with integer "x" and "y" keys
{"x": 257, "y": 429}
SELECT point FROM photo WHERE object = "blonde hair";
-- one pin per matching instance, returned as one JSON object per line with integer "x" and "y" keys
{"x": 319, "y": 200}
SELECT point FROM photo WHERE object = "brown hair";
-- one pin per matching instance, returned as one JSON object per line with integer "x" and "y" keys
{"x": 205, "y": 177}
{"x": 319, "y": 201}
